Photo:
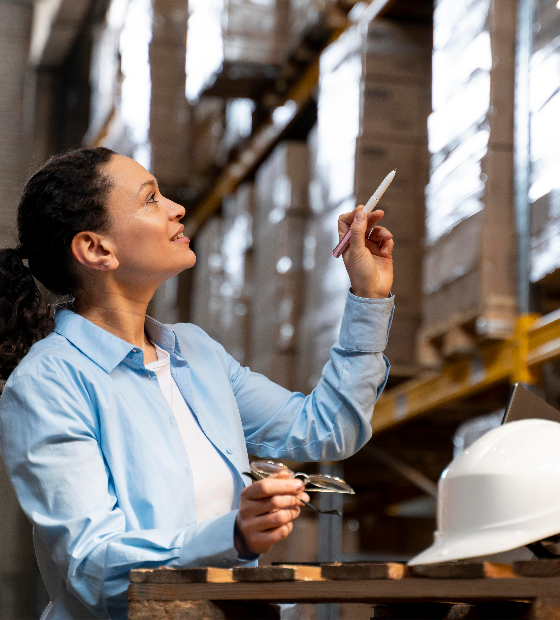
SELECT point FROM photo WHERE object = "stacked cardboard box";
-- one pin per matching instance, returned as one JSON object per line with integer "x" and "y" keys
{"x": 208, "y": 278}
{"x": 469, "y": 269}
{"x": 282, "y": 208}
{"x": 222, "y": 285}
{"x": 544, "y": 193}
{"x": 236, "y": 287}
{"x": 374, "y": 100}
{"x": 170, "y": 119}
{"x": 396, "y": 106}
{"x": 240, "y": 33}
{"x": 256, "y": 31}
{"x": 247, "y": 39}
{"x": 304, "y": 14}
{"x": 208, "y": 118}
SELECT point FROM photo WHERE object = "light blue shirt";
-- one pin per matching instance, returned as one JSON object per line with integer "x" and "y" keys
{"x": 98, "y": 464}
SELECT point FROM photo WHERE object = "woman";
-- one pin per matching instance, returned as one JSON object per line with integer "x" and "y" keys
{"x": 126, "y": 440}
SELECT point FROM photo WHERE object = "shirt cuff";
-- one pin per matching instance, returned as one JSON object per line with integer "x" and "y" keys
{"x": 366, "y": 323}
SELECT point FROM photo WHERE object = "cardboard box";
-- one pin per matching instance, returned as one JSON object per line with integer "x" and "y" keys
{"x": 472, "y": 268}
{"x": 376, "y": 158}
{"x": 208, "y": 119}
{"x": 282, "y": 184}
{"x": 395, "y": 110}
{"x": 470, "y": 259}
{"x": 208, "y": 278}
{"x": 397, "y": 51}
{"x": 281, "y": 212}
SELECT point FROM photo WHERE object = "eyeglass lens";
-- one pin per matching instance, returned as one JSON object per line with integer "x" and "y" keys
{"x": 323, "y": 482}
{"x": 268, "y": 468}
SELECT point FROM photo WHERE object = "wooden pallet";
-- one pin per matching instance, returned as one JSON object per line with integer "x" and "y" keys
{"x": 462, "y": 334}
{"x": 458, "y": 590}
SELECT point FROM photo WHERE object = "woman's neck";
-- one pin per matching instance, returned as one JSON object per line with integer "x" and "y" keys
{"x": 121, "y": 316}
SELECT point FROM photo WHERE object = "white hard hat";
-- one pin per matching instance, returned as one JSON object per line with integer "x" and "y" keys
{"x": 503, "y": 492}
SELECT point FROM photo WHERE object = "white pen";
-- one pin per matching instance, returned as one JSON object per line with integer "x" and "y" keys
{"x": 370, "y": 206}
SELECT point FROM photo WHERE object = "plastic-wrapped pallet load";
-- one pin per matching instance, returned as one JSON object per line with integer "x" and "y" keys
{"x": 282, "y": 208}
{"x": 222, "y": 285}
{"x": 208, "y": 278}
{"x": 170, "y": 114}
{"x": 208, "y": 118}
{"x": 247, "y": 39}
{"x": 544, "y": 193}
{"x": 374, "y": 100}
{"x": 305, "y": 14}
{"x": 236, "y": 287}
{"x": 469, "y": 267}
{"x": 239, "y": 32}
{"x": 127, "y": 32}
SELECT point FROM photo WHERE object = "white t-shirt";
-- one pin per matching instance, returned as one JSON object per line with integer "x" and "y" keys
{"x": 213, "y": 480}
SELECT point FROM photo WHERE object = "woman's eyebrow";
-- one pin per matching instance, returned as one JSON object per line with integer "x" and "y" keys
{"x": 150, "y": 182}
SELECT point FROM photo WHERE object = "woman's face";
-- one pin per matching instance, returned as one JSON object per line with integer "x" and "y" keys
{"x": 144, "y": 226}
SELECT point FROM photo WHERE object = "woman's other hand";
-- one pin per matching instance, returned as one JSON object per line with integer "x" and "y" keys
{"x": 267, "y": 510}
{"x": 369, "y": 262}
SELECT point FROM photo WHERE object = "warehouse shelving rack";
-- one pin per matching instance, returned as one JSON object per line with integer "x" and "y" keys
{"x": 265, "y": 137}
{"x": 421, "y": 414}
{"x": 519, "y": 359}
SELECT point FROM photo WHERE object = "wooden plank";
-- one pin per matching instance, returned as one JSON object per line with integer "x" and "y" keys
{"x": 182, "y": 575}
{"x": 366, "y": 591}
{"x": 366, "y": 570}
{"x": 284, "y": 572}
{"x": 459, "y": 570}
{"x": 537, "y": 568}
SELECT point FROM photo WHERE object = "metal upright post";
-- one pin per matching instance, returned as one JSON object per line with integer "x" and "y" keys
{"x": 524, "y": 44}
{"x": 330, "y": 533}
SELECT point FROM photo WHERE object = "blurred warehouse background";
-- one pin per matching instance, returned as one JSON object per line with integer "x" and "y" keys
{"x": 267, "y": 119}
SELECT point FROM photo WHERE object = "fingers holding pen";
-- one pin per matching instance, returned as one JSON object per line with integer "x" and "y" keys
{"x": 380, "y": 241}
{"x": 373, "y": 217}
{"x": 346, "y": 220}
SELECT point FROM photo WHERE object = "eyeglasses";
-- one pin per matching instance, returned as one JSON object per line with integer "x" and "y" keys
{"x": 316, "y": 483}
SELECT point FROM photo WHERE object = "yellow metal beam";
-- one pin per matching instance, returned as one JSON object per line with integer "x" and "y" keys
{"x": 536, "y": 340}
{"x": 260, "y": 143}
{"x": 544, "y": 339}
{"x": 270, "y": 132}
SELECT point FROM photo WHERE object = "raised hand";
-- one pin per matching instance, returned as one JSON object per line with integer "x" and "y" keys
{"x": 368, "y": 261}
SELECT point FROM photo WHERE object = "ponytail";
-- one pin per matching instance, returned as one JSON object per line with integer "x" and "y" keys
{"x": 66, "y": 196}
{"x": 24, "y": 317}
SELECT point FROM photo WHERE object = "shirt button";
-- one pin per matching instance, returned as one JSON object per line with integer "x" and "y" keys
{"x": 229, "y": 451}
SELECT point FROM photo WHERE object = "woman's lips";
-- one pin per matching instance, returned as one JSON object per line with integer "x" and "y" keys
{"x": 182, "y": 240}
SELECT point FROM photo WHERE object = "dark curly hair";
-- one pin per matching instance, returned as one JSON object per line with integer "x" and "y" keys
{"x": 64, "y": 197}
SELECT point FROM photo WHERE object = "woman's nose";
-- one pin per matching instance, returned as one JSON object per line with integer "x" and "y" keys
{"x": 176, "y": 211}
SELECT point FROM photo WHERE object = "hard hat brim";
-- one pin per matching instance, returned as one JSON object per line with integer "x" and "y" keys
{"x": 479, "y": 543}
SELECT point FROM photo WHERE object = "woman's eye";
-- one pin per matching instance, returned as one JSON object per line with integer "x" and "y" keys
{"x": 151, "y": 198}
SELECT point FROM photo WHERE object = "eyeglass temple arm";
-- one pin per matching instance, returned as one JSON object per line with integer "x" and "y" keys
{"x": 258, "y": 476}
{"x": 323, "y": 512}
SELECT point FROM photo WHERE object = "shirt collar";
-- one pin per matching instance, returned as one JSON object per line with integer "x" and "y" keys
{"x": 104, "y": 348}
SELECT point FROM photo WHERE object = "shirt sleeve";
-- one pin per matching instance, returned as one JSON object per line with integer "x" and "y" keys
{"x": 49, "y": 443}
{"x": 334, "y": 421}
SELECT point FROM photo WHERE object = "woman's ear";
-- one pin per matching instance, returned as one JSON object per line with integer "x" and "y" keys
{"x": 92, "y": 251}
